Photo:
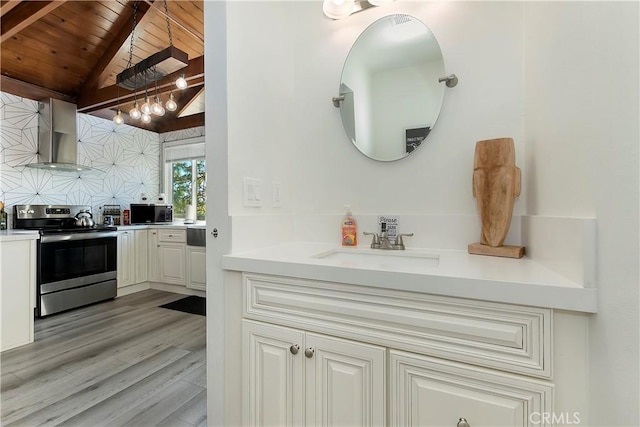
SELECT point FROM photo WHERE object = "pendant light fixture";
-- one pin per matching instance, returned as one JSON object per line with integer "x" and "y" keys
{"x": 151, "y": 69}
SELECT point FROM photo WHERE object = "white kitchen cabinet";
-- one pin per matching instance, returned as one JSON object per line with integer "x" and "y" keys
{"x": 297, "y": 378}
{"x": 18, "y": 284}
{"x": 141, "y": 245}
{"x": 172, "y": 255}
{"x": 153, "y": 247}
{"x": 196, "y": 268}
{"x": 126, "y": 253}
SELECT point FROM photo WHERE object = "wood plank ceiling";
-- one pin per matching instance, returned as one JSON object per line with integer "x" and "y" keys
{"x": 73, "y": 50}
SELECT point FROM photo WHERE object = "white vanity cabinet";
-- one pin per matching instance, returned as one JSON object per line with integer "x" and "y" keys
{"x": 432, "y": 361}
{"x": 303, "y": 378}
{"x": 172, "y": 255}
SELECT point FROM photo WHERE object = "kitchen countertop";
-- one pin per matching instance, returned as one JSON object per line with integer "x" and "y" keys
{"x": 457, "y": 274}
{"x": 9, "y": 235}
{"x": 160, "y": 225}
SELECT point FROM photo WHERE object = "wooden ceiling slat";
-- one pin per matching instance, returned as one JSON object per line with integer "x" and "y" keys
{"x": 25, "y": 14}
{"x": 86, "y": 22}
{"x": 117, "y": 47}
{"x": 40, "y": 57}
{"x": 7, "y": 5}
{"x": 179, "y": 23}
{"x": 48, "y": 30}
{"x": 145, "y": 16}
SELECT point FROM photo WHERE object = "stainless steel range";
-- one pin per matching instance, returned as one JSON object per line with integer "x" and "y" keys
{"x": 76, "y": 259}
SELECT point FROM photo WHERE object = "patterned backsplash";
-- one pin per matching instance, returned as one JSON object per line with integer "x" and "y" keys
{"x": 125, "y": 161}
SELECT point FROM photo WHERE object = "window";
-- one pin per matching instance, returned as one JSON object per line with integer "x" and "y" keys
{"x": 186, "y": 177}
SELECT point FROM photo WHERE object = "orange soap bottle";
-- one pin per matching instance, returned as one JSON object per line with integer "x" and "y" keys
{"x": 349, "y": 231}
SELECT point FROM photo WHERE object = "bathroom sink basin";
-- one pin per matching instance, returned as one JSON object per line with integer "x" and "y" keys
{"x": 380, "y": 259}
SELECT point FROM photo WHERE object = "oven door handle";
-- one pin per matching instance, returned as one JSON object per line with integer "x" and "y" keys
{"x": 76, "y": 236}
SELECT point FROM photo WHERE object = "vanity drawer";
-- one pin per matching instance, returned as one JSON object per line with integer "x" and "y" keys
{"x": 501, "y": 336}
{"x": 172, "y": 235}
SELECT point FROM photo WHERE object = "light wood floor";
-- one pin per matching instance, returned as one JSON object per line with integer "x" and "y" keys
{"x": 125, "y": 362}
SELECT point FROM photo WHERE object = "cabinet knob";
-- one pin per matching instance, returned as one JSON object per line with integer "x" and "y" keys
{"x": 309, "y": 352}
{"x": 462, "y": 422}
{"x": 294, "y": 349}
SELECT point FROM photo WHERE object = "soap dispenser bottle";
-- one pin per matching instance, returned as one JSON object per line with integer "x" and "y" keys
{"x": 349, "y": 231}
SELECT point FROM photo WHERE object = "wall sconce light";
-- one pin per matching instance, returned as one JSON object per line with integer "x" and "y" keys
{"x": 338, "y": 9}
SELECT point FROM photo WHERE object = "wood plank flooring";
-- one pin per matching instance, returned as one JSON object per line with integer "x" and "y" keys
{"x": 125, "y": 362}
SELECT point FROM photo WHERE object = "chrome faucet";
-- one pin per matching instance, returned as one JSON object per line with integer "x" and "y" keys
{"x": 382, "y": 241}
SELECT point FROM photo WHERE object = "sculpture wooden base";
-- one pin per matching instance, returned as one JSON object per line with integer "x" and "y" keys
{"x": 502, "y": 251}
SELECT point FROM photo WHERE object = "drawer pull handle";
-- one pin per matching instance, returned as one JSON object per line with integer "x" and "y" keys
{"x": 294, "y": 349}
{"x": 309, "y": 352}
{"x": 462, "y": 422}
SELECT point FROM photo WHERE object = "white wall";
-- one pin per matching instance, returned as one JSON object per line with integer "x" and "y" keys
{"x": 291, "y": 119}
{"x": 581, "y": 128}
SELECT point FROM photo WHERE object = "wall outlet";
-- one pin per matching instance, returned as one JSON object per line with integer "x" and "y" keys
{"x": 252, "y": 192}
{"x": 276, "y": 193}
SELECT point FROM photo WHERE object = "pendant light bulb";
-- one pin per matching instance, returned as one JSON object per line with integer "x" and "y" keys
{"x": 146, "y": 107}
{"x": 135, "y": 113}
{"x": 171, "y": 103}
{"x": 118, "y": 119}
{"x": 157, "y": 107}
{"x": 146, "y": 118}
{"x": 181, "y": 82}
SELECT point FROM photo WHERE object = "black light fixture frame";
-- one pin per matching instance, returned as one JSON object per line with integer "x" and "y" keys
{"x": 154, "y": 68}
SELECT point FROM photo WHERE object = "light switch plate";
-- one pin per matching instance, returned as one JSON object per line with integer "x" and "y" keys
{"x": 251, "y": 192}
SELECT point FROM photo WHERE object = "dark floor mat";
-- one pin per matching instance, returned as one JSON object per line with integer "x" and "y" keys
{"x": 191, "y": 304}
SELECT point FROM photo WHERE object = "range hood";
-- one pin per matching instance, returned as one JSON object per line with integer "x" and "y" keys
{"x": 57, "y": 137}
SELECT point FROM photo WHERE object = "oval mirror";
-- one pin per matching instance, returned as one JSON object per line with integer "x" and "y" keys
{"x": 390, "y": 86}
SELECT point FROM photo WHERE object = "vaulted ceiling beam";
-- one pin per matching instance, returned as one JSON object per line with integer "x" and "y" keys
{"x": 108, "y": 97}
{"x": 7, "y": 6}
{"x": 25, "y": 14}
{"x": 119, "y": 47}
{"x": 30, "y": 91}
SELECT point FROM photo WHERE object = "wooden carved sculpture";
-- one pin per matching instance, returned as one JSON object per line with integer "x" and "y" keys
{"x": 496, "y": 183}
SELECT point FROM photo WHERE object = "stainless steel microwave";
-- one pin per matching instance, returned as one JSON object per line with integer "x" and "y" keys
{"x": 151, "y": 214}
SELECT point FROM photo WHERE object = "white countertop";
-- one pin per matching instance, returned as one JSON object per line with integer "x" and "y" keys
{"x": 457, "y": 274}
{"x": 9, "y": 235}
{"x": 164, "y": 225}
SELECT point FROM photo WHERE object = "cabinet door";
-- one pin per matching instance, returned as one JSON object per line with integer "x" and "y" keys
{"x": 345, "y": 382}
{"x": 273, "y": 381}
{"x": 17, "y": 282}
{"x": 172, "y": 262}
{"x": 153, "y": 270}
{"x": 196, "y": 268}
{"x": 141, "y": 255}
{"x": 433, "y": 392}
{"x": 126, "y": 251}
